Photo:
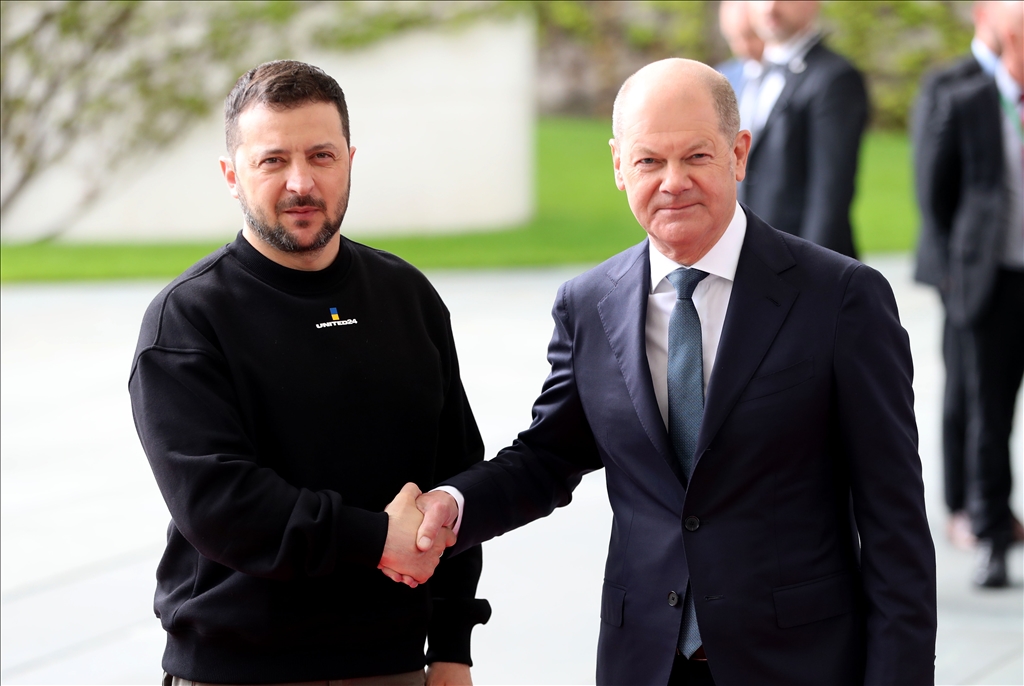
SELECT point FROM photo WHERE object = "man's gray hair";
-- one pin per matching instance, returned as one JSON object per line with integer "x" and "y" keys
{"x": 726, "y": 106}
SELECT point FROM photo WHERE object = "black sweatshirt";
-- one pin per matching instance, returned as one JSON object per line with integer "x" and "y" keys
{"x": 281, "y": 411}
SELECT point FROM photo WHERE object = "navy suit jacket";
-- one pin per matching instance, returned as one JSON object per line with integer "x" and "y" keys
{"x": 961, "y": 187}
{"x": 808, "y": 427}
{"x": 802, "y": 167}
{"x": 931, "y": 246}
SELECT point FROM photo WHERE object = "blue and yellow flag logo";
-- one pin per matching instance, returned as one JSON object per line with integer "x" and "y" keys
{"x": 336, "y": 320}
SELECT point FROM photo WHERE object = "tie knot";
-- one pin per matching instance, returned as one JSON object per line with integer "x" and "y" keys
{"x": 685, "y": 280}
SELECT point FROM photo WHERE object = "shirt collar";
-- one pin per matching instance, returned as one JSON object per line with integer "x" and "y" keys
{"x": 721, "y": 260}
{"x": 1008, "y": 88}
{"x": 986, "y": 58}
{"x": 796, "y": 47}
{"x": 752, "y": 69}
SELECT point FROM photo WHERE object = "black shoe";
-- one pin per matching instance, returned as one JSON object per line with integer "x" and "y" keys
{"x": 991, "y": 569}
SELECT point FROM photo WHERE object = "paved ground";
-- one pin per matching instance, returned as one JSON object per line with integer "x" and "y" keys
{"x": 82, "y": 521}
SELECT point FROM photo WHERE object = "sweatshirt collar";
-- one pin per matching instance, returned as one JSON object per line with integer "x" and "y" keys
{"x": 292, "y": 280}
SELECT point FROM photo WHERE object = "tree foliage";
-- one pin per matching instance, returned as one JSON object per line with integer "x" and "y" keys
{"x": 892, "y": 41}
{"x": 101, "y": 82}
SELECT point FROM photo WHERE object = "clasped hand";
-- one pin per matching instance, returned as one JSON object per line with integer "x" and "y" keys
{"x": 419, "y": 529}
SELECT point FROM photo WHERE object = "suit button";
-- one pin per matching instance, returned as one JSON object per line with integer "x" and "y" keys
{"x": 673, "y": 598}
{"x": 691, "y": 523}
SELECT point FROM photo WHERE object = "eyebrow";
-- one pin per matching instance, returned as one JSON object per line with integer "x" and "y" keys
{"x": 644, "y": 150}
{"x": 281, "y": 151}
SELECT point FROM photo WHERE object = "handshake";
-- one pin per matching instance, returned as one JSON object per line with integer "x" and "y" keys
{"x": 419, "y": 529}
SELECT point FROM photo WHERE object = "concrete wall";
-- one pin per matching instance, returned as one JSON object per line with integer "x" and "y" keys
{"x": 442, "y": 122}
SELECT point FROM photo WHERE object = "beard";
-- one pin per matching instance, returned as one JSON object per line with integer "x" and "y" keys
{"x": 277, "y": 236}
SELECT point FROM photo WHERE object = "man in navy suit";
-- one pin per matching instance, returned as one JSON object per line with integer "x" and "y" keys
{"x": 789, "y": 544}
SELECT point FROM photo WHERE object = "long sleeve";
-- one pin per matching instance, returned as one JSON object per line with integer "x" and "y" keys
{"x": 539, "y": 471}
{"x": 874, "y": 373}
{"x": 229, "y": 506}
{"x": 456, "y": 609}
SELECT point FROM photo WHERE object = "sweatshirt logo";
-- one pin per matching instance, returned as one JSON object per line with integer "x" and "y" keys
{"x": 336, "y": 320}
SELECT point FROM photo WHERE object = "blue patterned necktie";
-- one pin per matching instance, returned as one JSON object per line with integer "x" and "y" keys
{"x": 685, "y": 368}
{"x": 685, "y": 406}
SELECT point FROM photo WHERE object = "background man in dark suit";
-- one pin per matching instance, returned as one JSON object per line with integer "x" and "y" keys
{"x": 770, "y": 530}
{"x": 807, "y": 113}
{"x": 932, "y": 244}
{"x": 970, "y": 183}
{"x": 744, "y": 43}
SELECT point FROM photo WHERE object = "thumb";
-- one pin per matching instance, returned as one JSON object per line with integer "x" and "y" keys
{"x": 437, "y": 513}
{"x": 410, "y": 490}
{"x": 408, "y": 493}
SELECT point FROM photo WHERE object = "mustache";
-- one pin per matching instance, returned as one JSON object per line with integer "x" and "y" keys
{"x": 301, "y": 201}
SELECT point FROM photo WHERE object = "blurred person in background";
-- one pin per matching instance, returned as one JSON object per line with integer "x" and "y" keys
{"x": 284, "y": 389}
{"x": 968, "y": 161}
{"x": 930, "y": 266}
{"x": 744, "y": 43}
{"x": 806, "y": 112}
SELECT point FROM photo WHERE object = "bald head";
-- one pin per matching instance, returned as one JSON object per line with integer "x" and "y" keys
{"x": 678, "y": 153}
{"x": 674, "y": 80}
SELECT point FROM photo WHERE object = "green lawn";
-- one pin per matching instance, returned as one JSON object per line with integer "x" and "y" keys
{"x": 580, "y": 218}
{"x": 884, "y": 212}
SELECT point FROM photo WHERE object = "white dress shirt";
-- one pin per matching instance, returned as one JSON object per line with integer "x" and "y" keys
{"x": 710, "y": 299}
{"x": 985, "y": 57}
{"x": 760, "y": 94}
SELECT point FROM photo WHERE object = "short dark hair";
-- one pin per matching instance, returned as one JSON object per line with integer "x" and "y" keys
{"x": 281, "y": 85}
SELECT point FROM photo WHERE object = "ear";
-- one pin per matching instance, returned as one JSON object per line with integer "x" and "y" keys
{"x": 351, "y": 154}
{"x": 617, "y": 164}
{"x": 740, "y": 151}
{"x": 227, "y": 168}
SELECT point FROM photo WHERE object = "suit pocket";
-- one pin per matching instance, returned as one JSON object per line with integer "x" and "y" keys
{"x": 812, "y": 601}
{"x": 612, "y": 599}
{"x": 776, "y": 382}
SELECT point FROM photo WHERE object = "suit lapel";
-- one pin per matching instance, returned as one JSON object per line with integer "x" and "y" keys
{"x": 758, "y": 306}
{"x": 623, "y": 313}
{"x": 793, "y": 79}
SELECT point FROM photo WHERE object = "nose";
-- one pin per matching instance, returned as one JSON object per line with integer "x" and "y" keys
{"x": 300, "y": 178}
{"x": 677, "y": 179}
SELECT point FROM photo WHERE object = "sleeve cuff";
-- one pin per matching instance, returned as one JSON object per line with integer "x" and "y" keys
{"x": 450, "y": 628}
{"x": 363, "y": 535}
{"x": 460, "y": 500}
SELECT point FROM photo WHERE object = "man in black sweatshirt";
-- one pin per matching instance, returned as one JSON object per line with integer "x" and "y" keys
{"x": 284, "y": 389}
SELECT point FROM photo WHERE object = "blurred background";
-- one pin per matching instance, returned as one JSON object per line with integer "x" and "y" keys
{"x": 482, "y": 132}
{"x": 481, "y": 126}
